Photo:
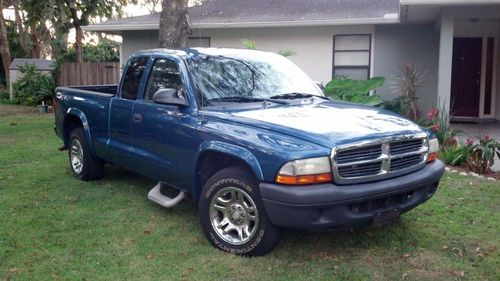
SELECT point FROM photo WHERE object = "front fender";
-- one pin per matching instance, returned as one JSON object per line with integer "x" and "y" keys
{"x": 235, "y": 151}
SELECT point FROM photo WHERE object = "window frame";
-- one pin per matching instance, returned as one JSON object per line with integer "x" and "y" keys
{"x": 199, "y": 38}
{"x": 369, "y": 50}
{"x": 141, "y": 81}
{"x": 150, "y": 72}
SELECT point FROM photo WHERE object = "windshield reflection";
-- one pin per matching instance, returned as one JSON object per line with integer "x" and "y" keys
{"x": 262, "y": 76}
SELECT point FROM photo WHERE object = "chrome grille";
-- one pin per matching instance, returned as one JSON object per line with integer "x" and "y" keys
{"x": 360, "y": 170}
{"x": 374, "y": 160}
{"x": 364, "y": 153}
{"x": 405, "y": 162}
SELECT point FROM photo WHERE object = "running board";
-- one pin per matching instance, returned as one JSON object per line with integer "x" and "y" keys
{"x": 162, "y": 200}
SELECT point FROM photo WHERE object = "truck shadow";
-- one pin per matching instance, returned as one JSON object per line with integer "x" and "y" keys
{"x": 310, "y": 245}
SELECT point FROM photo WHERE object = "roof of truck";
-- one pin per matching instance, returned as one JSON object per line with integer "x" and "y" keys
{"x": 193, "y": 52}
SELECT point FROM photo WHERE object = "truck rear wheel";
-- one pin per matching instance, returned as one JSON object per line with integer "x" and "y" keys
{"x": 83, "y": 164}
{"x": 232, "y": 214}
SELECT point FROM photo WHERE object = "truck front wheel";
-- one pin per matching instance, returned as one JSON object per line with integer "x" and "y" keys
{"x": 232, "y": 214}
{"x": 83, "y": 164}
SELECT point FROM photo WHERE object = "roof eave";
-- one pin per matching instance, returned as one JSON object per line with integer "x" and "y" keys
{"x": 118, "y": 28}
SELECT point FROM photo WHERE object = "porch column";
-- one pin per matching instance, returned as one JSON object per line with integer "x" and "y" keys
{"x": 445, "y": 62}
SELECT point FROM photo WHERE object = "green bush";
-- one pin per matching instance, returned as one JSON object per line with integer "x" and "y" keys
{"x": 439, "y": 122}
{"x": 356, "y": 91}
{"x": 455, "y": 155}
{"x": 33, "y": 87}
{"x": 397, "y": 105}
{"x": 482, "y": 154}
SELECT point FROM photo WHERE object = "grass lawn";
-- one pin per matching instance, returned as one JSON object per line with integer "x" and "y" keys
{"x": 54, "y": 227}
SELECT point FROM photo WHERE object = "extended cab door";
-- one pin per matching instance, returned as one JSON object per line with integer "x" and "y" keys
{"x": 120, "y": 119}
{"x": 164, "y": 136}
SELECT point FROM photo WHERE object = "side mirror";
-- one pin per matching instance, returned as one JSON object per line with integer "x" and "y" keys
{"x": 169, "y": 96}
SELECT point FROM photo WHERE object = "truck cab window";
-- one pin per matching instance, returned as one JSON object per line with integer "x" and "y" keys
{"x": 164, "y": 74}
{"x": 133, "y": 77}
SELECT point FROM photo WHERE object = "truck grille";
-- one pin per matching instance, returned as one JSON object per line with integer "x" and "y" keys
{"x": 379, "y": 159}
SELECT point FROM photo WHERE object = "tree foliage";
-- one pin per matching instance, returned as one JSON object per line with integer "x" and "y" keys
{"x": 100, "y": 52}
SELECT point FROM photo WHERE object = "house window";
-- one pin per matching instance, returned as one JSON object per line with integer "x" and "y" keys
{"x": 351, "y": 56}
{"x": 198, "y": 42}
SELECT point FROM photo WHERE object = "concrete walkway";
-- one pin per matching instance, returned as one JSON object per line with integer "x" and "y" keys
{"x": 476, "y": 130}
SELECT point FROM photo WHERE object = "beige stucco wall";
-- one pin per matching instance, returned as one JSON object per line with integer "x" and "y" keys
{"x": 313, "y": 45}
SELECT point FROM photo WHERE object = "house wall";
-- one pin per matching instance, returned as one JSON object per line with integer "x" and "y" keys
{"x": 133, "y": 41}
{"x": 395, "y": 45}
{"x": 313, "y": 46}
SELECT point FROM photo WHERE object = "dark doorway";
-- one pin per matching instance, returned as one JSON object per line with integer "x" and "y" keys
{"x": 466, "y": 76}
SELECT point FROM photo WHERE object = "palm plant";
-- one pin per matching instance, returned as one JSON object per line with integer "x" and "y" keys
{"x": 406, "y": 85}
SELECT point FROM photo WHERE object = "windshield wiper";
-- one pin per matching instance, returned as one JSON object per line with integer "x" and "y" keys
{"x": 289, "y": 96}
{"x": 246, "y": 99}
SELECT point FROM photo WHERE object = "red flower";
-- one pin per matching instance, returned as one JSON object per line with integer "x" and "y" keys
{"x": 486, "y": 137}
{"x": 469, "y": 141}
{"x": 432, "y": 113}
{"x": 435, "y": 127}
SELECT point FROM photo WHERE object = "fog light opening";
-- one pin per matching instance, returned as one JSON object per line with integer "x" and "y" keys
{"x": 432, "y": 189}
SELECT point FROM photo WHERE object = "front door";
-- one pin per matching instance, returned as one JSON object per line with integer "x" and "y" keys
{"x": 466, "y": 76}
{"x": 164, "y": 136}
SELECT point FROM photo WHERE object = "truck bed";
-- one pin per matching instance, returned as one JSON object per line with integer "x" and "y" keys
{"x": 94, "y": 89}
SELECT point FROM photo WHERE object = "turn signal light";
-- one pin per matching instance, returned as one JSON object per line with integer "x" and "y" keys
{"x": 304, "y": 179}
{"x": 432, "y": 156}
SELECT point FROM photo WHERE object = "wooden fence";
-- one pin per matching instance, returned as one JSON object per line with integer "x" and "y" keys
{"x": 89, "y": 73}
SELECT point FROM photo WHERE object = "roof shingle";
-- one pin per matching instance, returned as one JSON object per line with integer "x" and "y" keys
{"x": 258, "y": 12}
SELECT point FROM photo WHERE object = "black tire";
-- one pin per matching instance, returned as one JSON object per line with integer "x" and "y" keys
{"x": 91, "y": 168}
{"x": 264, "y": 236}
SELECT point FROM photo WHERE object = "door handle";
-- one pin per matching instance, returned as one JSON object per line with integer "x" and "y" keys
{"x": 137, "y": 118}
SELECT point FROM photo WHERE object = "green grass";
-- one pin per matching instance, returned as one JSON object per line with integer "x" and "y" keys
{"x": 54, "y": 227}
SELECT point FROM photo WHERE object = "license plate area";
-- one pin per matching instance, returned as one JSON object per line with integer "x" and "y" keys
{"x": 387, "y": 216}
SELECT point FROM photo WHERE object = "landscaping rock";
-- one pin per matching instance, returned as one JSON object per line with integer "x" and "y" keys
{"x": 491, "y": 179}
{"x": 463, "y": 173}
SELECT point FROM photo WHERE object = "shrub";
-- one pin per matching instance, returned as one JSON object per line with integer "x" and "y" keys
{"x": 406, "y": 85}
{"x": 396, "y": 105}
{"x": 251, "y": 45}
{"x": 439, "y": 122}
{"x": 455, "y": 155}
{"x": 33, "y": 87}
{"x": 482, "y": 154}
{"x": 356, "y": 91}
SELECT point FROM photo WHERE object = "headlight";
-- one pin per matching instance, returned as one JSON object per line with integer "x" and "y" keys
{"x": 305, "y": 171}
{"x": 433, "y": 149}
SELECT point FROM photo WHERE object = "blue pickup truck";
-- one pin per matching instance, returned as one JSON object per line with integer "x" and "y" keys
{"x": 253, "y": 140}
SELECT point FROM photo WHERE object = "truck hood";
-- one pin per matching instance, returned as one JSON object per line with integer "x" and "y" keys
{"x": 327, "y": 123}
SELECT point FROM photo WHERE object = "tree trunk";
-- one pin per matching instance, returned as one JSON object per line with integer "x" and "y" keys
{"x": 79, "y": 44}
{"x": 174, "y": 24}
{"x": 4, "y": 44}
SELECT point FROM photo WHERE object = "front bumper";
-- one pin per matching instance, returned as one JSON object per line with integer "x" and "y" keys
{"x": 328, "y": 206}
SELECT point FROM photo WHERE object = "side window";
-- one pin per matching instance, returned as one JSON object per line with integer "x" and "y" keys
{"x": 133, "y": 77}
{"x": 165, "y": 74}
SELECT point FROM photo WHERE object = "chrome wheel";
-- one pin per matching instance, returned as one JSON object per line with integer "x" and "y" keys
{"x": 76, "y": 156}
{"x": 234, "y": 215}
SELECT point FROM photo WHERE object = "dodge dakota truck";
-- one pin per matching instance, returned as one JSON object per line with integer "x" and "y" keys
{"x": 252, "y": 140}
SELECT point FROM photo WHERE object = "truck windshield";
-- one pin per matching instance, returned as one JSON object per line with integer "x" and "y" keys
{"x": 244, "y": 78}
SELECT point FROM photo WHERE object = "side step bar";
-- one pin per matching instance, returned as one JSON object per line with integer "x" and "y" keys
{"x": 155, "y": 196}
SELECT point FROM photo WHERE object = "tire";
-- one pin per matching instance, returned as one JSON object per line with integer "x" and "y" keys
{"x": 81, "y": 160}
{"x": 232, "y": 214}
